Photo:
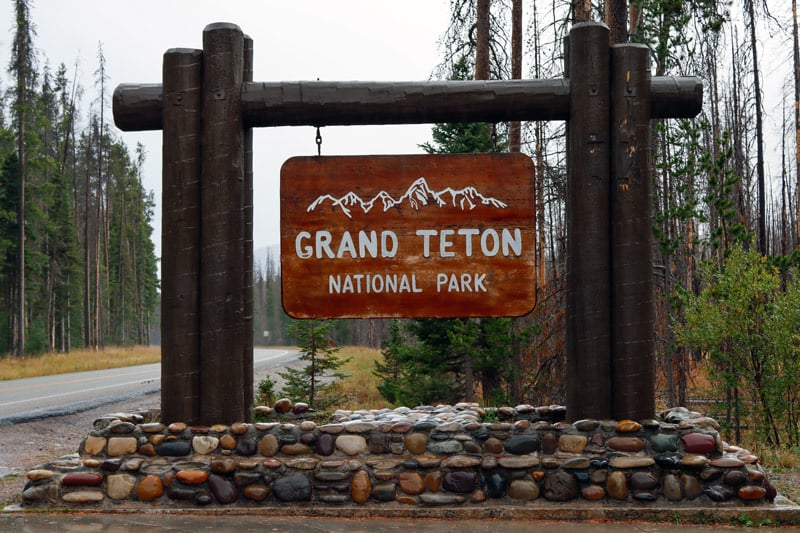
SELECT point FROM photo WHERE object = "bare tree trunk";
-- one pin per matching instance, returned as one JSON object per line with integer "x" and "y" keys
{"x": 87, "y": 260}
{"x": 22, "y": 67}
{"x": 796, "y": 58}
{"x": 581, "y": 11}
{"x": 616, "y": 15}
{"x": 762, "y": 226}
{"x": 482, "y": 45}
{"x": 515, "y": 128}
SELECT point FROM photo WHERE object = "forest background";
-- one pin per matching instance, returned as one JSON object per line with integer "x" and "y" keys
{"x": 726, "y": 198}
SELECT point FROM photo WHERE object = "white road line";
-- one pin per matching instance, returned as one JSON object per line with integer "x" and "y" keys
{"x": 82, "y": 391}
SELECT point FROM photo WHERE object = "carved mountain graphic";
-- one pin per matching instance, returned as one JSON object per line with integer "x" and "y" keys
{"x": 419, "y": 195}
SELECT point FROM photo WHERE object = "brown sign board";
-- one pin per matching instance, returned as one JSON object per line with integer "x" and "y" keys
{"x": 446, "y": 235}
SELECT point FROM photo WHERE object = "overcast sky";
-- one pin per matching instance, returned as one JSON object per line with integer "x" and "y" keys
{"x": 339, "y": 40}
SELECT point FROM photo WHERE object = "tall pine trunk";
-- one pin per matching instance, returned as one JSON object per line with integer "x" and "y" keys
{"x": 762, "y": 217}
{"x": 796, "y": 59}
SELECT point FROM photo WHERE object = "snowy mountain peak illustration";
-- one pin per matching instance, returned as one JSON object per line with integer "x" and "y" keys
{"x": 418, "y": 195}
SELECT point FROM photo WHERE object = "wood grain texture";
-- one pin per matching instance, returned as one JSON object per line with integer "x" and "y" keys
{"x": 486, "y": 283}
{"x": 180, "y": 238}
{"x": 137, "y": 107}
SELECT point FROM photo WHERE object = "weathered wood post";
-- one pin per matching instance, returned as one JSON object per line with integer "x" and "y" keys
{"x": 632, "y": 306}
{"x": 589, "y": 380}
{"x": 180, "y": 237}
{"x": 247, "y": 241}
{"x": 222, "y": 230}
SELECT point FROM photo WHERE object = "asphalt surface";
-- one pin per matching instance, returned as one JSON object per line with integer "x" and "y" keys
{"x": 35, "y": 522}
{"x": 23, "y": 400}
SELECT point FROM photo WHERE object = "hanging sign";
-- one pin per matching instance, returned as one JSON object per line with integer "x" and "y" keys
{"x": 408, "y": 236}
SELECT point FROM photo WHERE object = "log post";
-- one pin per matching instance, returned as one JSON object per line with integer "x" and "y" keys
{"x": 588, "y": 278}
{"x": 180, "y": 237}
{"x": 632, "y": 311}
{"x": 222, "y": 344}
{"x": 247, "y": 283}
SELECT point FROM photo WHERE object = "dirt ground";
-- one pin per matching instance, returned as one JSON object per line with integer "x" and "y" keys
{"x": 24, "y": 446}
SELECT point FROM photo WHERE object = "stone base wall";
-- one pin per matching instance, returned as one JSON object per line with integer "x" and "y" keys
{"x": 428, "y": 456}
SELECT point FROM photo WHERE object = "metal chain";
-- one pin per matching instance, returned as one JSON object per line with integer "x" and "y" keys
{"x": 319, "y": 142}
{"x": 494, "y": 137}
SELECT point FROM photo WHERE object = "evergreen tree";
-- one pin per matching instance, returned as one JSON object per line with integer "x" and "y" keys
{"x": 442, "y": 361}
{"x": 312, "y": 382}
{"x": 59, "y": 184}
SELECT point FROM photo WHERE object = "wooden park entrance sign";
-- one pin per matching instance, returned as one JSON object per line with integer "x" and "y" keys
{"x": 206, "y": 106}
{"x": 408, "y": 236}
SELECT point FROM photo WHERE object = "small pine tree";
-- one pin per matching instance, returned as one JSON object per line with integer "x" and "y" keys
{"x": 315, "y": 339}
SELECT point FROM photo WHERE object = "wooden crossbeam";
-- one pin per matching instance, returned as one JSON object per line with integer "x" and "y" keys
{"x": 138, "y": 107}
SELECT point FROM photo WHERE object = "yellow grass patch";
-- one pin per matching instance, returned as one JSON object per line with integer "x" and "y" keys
{"x": 12, "y": 367}
{"x": 360, "y": 390}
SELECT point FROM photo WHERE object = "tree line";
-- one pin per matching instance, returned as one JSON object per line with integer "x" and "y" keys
{"x": 723, "y": 217}
{"x": 77, "y": 263}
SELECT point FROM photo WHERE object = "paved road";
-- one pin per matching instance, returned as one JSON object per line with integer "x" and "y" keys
{"x": 35, "y": 398}
{"x": 264, "y": 522}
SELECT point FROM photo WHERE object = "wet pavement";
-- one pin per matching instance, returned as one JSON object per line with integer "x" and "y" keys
{"x": 118, "y": 523}
{"x": 582, "y": 517}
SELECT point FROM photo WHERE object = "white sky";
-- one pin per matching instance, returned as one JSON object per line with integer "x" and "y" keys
{"x": 339, "y": 40}
{"x": 333, "y": 40}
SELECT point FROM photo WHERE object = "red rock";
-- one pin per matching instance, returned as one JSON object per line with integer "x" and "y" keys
{"x": 176, "y": 427}
{"x": 227, "y": 442}
{"x": 271, "y": 463}
{"x": 752, "y": 492}
{"x": 700, "y": 443}
{"x": 192, "y": 477}
{"x": 412, "y": 483}
{"x": 628, "y": 426}
{"x": 493, "y": 445}
{"x": 86, "y": 479}
{"x": 223, "y": 466}
{"x": 593, "y": 493}
{"x": 433, "y": 480}
{"x": 256, "y": 492}
{"x": 626, "y": 444}
{"x": 360, "y": 487}
{"x": 283, "y": 406}
{"x": 416, "y": 443}
{"x": 617, "y": 485}
{"x": 149, "y": 488}
{"x": 239, "y": 428}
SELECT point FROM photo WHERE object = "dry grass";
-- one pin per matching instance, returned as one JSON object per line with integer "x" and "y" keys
{"x": 360, "y": 390}
{"x": 12, "y": 367}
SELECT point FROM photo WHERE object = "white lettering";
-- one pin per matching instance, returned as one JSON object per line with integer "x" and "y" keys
{"x": 323, "y": 245}
{"x": 426, "y": 235}
{"x": 444, "y": 243}
{"x": 303, "y": 252}
{"x": 387, "y": 236}
{"x": 323, "y": 239}
{"x": 441, "y": 279}
{"x": 490, "y": 252}
{"x": 514, "y": 243}
{"x": 367, "y": 244}
{"x": 465, "y": 282}
{"x": 468, "y": 233}
{"x": 346, "y": 246}
{"x": 372, "y": 283}
{"x": 334, "y": 284}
